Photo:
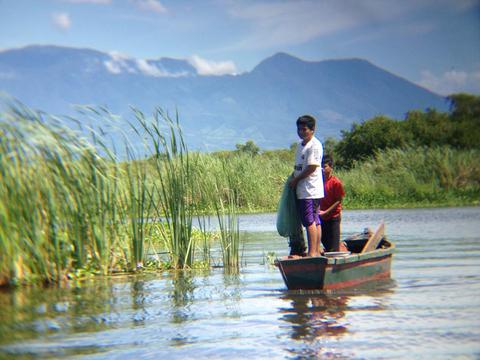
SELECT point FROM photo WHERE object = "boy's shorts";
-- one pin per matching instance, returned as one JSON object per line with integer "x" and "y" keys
{"x": 309, "y": 213}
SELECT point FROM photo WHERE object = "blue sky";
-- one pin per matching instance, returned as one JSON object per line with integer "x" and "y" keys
{"x": 434, "y": 43}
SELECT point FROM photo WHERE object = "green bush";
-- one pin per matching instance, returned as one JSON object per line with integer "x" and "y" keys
{"x": 458, "y": 129}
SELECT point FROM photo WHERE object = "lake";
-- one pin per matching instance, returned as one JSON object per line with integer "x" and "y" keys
{"x": 429, "y": 310}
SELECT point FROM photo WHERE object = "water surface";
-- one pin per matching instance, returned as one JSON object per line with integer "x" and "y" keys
{"x": 430, "y": 309}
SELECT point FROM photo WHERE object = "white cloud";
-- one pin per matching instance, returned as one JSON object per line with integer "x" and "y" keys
{"x": 113, "y": 67}
{"x": 149, "y": 69}
{"x": 150, "y": 5}
{"x": 452, "y": 81}
{"x": 62, "y": 21}
{"x": 207, "y": 67}
{"x": 283, "y": 23}
{"x": 294, "y": 22}
{"x": 120, "y": 63}
{"x": 101, "y": 2}
{"x": 229, "y": 100}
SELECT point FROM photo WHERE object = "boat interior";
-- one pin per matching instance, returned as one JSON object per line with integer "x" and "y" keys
{"x": 356, "y": 243}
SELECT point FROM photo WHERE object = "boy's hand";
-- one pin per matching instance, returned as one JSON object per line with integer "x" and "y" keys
{"x": 293, "y": 183}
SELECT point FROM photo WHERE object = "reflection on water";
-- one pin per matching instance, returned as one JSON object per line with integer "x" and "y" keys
{"x": 182, "y": 289}
{"x": 312, "y": 319}
{"x": 313, "y": 316}
{"x": 431, "y": 307}
{"x": 316, "y": 318}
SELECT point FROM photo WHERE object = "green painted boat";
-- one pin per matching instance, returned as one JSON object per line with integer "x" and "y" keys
{"x": 369, "y": 258}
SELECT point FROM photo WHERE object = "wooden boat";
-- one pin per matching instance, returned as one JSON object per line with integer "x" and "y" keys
{"x": 368, "y": 258}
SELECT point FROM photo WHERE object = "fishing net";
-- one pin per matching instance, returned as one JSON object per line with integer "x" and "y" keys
{"x": 288, "y": 219}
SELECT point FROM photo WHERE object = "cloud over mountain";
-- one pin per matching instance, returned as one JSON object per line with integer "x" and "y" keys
{"x": 61, "y": 20}
{"x": 206, "y": 67}
{"x": 452, "y": 81}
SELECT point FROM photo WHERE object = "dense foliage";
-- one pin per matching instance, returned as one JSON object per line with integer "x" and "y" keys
{"x": 459, "y": 129}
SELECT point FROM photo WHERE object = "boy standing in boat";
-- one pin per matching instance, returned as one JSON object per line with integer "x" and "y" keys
{"x": 308, "y": 181}
{"x": 331, "y": 207}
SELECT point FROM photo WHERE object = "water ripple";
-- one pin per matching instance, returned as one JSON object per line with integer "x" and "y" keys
{"x": 430, "y": 309}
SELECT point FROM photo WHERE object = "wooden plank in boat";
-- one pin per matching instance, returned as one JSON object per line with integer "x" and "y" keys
{"x": 375, "y": 239}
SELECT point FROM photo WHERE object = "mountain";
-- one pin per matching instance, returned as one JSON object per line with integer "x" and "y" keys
{"x": 216, "y": 112}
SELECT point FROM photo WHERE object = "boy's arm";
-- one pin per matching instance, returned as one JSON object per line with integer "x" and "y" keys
{"x": 340, "y": 193}
{"x": 309, "y": 170}
{"x": 331, "y": 208}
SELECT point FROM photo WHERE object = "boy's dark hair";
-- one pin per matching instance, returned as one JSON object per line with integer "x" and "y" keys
{"x": 327, "y": 159}
{"x": 307, "y": 120}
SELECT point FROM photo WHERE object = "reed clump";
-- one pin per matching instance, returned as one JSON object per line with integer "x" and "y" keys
{"x": 69, "y": 206}
{"x": 56, "y": 194}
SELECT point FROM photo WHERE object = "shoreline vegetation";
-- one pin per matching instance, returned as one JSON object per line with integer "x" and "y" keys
{"x": 70, "y": 208}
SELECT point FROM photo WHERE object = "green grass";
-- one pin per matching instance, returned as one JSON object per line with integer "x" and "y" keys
{"x": 414, "y": 177}
{"x": 411, "y": 177}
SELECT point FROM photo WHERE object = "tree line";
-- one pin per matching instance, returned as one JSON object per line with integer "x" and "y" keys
{"x": 459, "y": 129}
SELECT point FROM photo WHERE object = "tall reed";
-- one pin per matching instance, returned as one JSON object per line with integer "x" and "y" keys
{"x": 67, "y": 204}
{"x": 59, "y": 196}
{"x": 172, "y": 165}
{"x": 225, "y": 203}
{"x": 138, "y": 202}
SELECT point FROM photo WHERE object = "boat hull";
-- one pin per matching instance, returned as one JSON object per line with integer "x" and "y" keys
{"x": 324, "y": 273}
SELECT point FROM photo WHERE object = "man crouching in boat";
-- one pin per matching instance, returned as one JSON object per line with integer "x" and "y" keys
{"x": 331, "y": 208}
{"x": 308, "y": 181}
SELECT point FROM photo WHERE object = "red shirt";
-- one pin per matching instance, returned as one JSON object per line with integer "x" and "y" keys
{"x": 333, "y": 192}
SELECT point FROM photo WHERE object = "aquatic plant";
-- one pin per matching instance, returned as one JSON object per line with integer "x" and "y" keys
{"x": 226, "y": 211}
{"x": 176, "y": 184}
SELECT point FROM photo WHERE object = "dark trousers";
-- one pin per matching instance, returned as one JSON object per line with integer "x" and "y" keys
{"x": 297, "y": 243}
{"x": 331, "y": 234}
{"x": 297, "y": 240}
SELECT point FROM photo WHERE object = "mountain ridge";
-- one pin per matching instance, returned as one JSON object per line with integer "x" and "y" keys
{"x": 216, "y": 112}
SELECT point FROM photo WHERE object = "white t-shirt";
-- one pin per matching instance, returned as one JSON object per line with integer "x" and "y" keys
{"x": 310, "y": 154}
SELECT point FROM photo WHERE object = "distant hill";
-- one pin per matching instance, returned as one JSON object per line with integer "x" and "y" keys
{"x": 216, "y": 112}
